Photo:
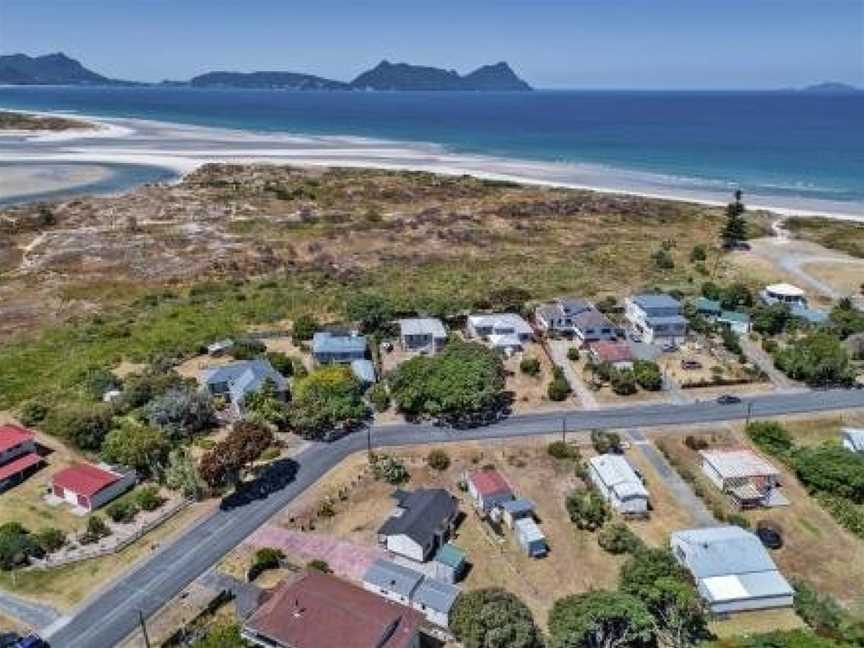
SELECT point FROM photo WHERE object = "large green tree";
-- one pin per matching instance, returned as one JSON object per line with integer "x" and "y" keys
{"x": 817, "y": 359}
{"x": 735, "y": 228}
{"x": 493, "y": 618}
{"x": 328, "y": 400}
{"x": 371, "y": 311}
{"x": 464, "y": 384}
{"x": 134, "y": 444}
{"x": 599, "y": 619}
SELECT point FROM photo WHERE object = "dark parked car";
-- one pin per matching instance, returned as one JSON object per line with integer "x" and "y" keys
{"x": 31, "y": 641}
{"x": 728, "y": 399}
{"x": 769, "y": 535}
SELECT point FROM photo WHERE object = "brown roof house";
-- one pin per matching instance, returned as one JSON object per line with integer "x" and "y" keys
{"x": 318, "y": 610}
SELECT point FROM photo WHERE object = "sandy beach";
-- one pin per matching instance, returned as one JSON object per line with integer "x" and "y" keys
{"x": 182, "y": 148}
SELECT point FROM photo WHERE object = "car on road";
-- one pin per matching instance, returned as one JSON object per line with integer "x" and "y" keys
{"x": 728, "y": 399}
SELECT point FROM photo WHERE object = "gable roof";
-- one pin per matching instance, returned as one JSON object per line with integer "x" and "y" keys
{"x": 855, "y": 436}
{"x": 489, "y": 482}
{"x": 423, "y": 326}
{"x": 437, "y": 595}
{"x": 739, "y": 462}
{"x": 608, "y": 351}
{"x": 14, "y": 435}
{"x": 502, "y": 320}
{"x": 574, "y": 305}
{"x": 19, "y": 465}
{"x": 725, "y": 550}
{"x": 420, "y": 514}
{"x": 517, "y": 506}
{"x": 363, "y": 370}
{"x": 319, "y": 610}
{"x": 651, "y": 300}
{"x": 245, "y": 377}
{"x": 618, "y": 475}
{"x": 85, "y": 479}
{"x": 393, "y": 577}
{"x": 591, "y": 318}
{"x": 330, "y": 342}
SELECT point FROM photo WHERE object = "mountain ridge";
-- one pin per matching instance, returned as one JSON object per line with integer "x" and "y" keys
{"x": 50, "y": 69}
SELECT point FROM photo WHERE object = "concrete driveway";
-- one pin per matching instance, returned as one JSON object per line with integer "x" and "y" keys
{"x": 558, "y": 350}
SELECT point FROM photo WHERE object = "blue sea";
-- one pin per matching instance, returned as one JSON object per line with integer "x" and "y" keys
{"x": 782, "y": 145}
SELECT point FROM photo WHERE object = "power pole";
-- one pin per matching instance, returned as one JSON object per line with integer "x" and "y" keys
{"x": 749, "y": 411}
{"x": 143, "y": 628}
{"x": 369, "y": 440}
{"x": 564, "y": 430}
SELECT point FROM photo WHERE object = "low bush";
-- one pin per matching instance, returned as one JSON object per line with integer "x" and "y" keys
{"x": 264, "y": 559}
{"x": 389, "y": 469}
{"x": 619, "y": 539}
{"x": 51, "y": 539}
{"x": 379, "y": 397}
{"x": 121, "y": 511}
{"x": 247, "y": 349}
{"x": 738, "y": 520}
{"x": 148, "y": 498}
{"x": 270, "y": 454}
{"x": 437, "y": 459}
{"x": 281, "y": 362}
{"x": 695, "y": 443}
{"x": 623, "y": 381}
{"x": 604, "y": 441}
{"x": 96, "y": 530}
{"x": 587, "y": 509}
{"x": 563, "y": 450}
{"x": 771, "y": 437}
{"x": 573, "y": 354}
{"x": 648, "y": 375}
{"x": 319, "y": 565}
{"x": 559, "y": 389}
{"x": 530, "y": 366}
{"x": 304, "y": 328}
{"x": 32, "y": 413}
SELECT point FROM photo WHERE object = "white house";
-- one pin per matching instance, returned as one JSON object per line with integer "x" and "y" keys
{"x": 853, "y": 439}
{"x": 656, "y": 318}
{"x": 503, "y": 330}
{"x": 395, "y": 582}
{"x": 783, "y": 293}
{"x": 420, "y": 524}
{"x": 615, "y": 479}
{"x": 732, "y": 570}
{"x": 422, "y": 334}
{"x": 530, "y": 537}
{"x": 748, "y": 479}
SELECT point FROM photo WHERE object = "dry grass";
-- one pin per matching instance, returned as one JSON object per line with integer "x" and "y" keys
{"x": 845, "y": 278}
{"x": 846, "y": 236}
{"x": 749, "y": 623}
{"x": 529, "y": 392}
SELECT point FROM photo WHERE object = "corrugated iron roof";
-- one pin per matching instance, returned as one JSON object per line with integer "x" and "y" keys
{"x": 14, "y": 435}
{"x": 85, "y": 479}
{"x": 738, "y": 463}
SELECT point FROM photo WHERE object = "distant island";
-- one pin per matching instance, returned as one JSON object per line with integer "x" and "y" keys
{"x": 13, "y": 121}
{"x": 59, "y": 69}
{"x": 832, "y": 87}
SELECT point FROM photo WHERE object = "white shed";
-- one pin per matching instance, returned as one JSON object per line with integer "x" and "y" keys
{"x": 616, "y": 480}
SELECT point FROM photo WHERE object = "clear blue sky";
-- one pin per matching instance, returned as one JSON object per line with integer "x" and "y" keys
{"x": 567, "y": 43}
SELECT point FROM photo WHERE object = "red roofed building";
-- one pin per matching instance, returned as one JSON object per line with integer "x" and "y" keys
{"x": 17, "y": 455}
{"x": 88, "y": 487}
{"x": 488, "y": 488}
{"x": 617, "y": 354}
{"x": 318, "y": 610}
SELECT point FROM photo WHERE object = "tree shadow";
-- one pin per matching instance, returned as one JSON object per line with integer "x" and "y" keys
{"x": 269, "y": 479}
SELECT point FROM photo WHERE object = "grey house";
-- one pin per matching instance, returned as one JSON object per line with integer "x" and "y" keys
{"x": 420, "y": 524}
{"x": 406, "y": 586}
{"x": 657, "y": 318}
{"x": 732, "y": 570}
{"x": 235, "y": 381}
{"x": 332, "y": 347}
{"x": 578, "y": 316}
{"x": 422, "y": 334}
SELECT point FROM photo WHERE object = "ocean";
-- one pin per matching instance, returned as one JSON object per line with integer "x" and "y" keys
{"x": 787, "y": 148}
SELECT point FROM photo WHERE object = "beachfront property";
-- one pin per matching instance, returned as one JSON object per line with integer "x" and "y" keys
{"x": 576, "y": 316}
{"x": 617, "y": 354}
{"x": 783, "y": 293}
{"x": 617, "y": 481}
{"x": 420, "y": 524}
{"x": 853, "y": 439}
{"x": 422, "y": 334}
{"x": 235, "y": 381}
{"x": 656, "y": 318}
{"x": 738, "y": 322}
{"x": 746, "y": 478}
{"x": 409, "y": 587}
{"x": 317, "y": 609}
{"x": 18, "y": 455}
{"x": 86, "y": 487}
{"x": 505, "y": 331}
{"x": 732, "y": 570}
{"x": 488, "y": 489}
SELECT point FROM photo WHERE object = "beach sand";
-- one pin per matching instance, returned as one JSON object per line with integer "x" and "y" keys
{"x": 32, "y": 179}
{"x": 182, "y": 148}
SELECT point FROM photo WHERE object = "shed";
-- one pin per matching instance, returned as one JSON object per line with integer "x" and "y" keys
{"x": 434, "y": 599}
{"x": 408, "y": 587}
{"x": 615, "y": 479}
{"x": 707, "y": 307}
{"x": 488, "y": 488}
{"x": 738, "y": 322}
{"x": 449, "y": 563}
{"x": 88, "y": 487}
{"x": 530, "y": 537}
{"x": 516, "y": 509}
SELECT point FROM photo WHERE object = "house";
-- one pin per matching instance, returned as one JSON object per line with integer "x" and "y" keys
{"x": 338, "y": 347}
{"x": 87, "y": 487}
{"x": 736, "y": 321}
{"x": 748, "y": 479}
{"x": 420, "y": 524}
{"x": 503, "y": 330}
{"x": 618, "y": 353}
{"x": 18, "y": 456}
{"x": 853, "y": 439}
{"x": 577, "y": 316}
{"x": 235, "y": 381}
{"x": 710, "y": 308}
{"x": 219, "y": 347}
{"x": 424, "y": 334}
{"x": 783, "y": 293}
{"x": 488, "y": 489}
{"x": 656, "y": 318}
{"x": 732, "y": 570}
{"x": 449, "y": 563}
{"x": 530, "y": 537}
{"x": 395, "y": 582}
{"x": 317, "y": 610}
{"x": 615, "y": 479}
{"x": 516, "y": 509}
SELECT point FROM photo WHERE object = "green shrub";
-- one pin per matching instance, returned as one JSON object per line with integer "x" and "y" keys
{"x": 96, "y": 530}
{"x": 587, "y": 509}
{"x": 121, "y": 511}
{"x": 270, "y": 454}
{"x": 389, "y": 469}
{"x": 148, "y": 498}
{"x": 648, "y": 375}
{"x": 85, "y": 426}
{"x": 530, "y": 366}
{"x": 379, "y": 397}
{"x": 771, "y": 437}
{"x": 831, "y": 469}
{"x": 437, "y": 459}
{"x": 573, "y": 354}
{"x": 563, "y": 451}
{"x": 319, "y": 565}
{"x": 623, "y": 381}
{"x": 247, "y": 349}
{"x": 738, "y": 520}
{"x": 17, "y": 546}
{"x": 269, "y": 558}
{"x": 696, "y": 442}
{"x": 32, "y": 413}
{"x": 619, "y": 539}
{"x": 559, "y": 389}
{"x": 604, "y": 441}
{"x": 304, "y": 328}
{"x": 698, "y": 253}
{"x": 51, "y": 539}
{"x": 281, "y": 362}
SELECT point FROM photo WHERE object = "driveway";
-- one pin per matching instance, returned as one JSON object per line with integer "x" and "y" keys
{"x": 757, "y": 355}
{"x": 32, "y": 614}
{"x": 558, "y": 350}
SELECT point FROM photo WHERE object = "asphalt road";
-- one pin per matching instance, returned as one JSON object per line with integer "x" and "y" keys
{"x": 107, "y": 618}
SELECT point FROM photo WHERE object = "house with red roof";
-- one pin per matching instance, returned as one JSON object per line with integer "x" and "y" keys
{"x": 317, "y": 610}
{"x": 87, "y": 487}
{"x": 488, "y": 488}
{"x": 18, "y": 456}
{"x": 617, "y": 353}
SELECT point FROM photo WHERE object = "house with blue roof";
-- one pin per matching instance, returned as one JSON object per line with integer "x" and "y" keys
{"x": 429, "y": 596}
{"x": 348, "y": 348}
{"x": 656, "y": 318}
{"x": 732, "y": 570}
{"x": 235, "y": 381}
